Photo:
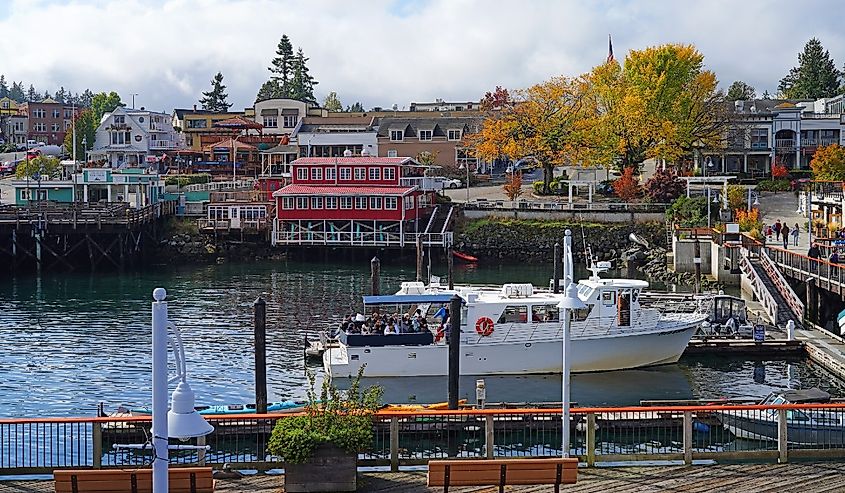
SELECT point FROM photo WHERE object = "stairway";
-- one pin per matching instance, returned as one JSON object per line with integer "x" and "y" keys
{"x": 440, "y": 217}
{"x": 784, "y": 313}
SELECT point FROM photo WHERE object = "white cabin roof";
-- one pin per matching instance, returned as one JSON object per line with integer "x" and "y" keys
{"x": 614, "y": 283}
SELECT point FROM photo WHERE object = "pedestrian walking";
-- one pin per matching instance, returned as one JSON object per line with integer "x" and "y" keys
{"x": 785, "y": 232}
{"x": 796, "y": 231}
{"x": 777, "y": 229}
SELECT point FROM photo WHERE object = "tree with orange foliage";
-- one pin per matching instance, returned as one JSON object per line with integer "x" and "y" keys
{"x": 779, "y": 170}
{"x": 829, "y": 163}
{"x": 513, "y": 187}
{"x": 626, "y": 186}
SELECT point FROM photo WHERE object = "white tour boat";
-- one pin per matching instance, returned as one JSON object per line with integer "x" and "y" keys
{"x": 517, "y": 330}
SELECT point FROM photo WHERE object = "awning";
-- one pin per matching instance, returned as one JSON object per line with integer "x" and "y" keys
{"x": 407, "y": 299}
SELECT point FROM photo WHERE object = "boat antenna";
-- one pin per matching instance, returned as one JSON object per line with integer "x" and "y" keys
{"x": 588, "y": 256}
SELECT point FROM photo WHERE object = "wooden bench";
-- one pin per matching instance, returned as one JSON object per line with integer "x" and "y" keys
{"x": 501, "y": 472}
{"x": 181, "y": 480}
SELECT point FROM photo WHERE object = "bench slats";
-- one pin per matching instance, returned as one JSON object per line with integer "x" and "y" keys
{"x": 489, "y": 472}
{"x": 180, "y": 480}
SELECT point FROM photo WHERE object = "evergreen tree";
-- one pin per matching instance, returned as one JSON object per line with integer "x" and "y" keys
{"x": 4, "y": 89}
{"x": 815, "y": 76}
{"x": 269, "y": 90}
{"x": 740, "y": 91}
{"x": 47, "y": 95}
{"x": 283, "y": 67}
{"x": 355, "y": 108}
{"x": 215, "y": 99}
{"x": 16, "y": 92}
{"x": 86, "y": 99}
{"x": 31, "y": 94}
{"x": 86, "y": 128}
{"x": 332, "y": 103}
{"x": 766, "y": 95}
{"x": 302, "y": 83}
{"x": 61, "y": 95}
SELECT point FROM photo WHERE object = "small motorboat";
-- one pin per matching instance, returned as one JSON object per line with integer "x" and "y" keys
{"x": 803, "y": 426}
{"x": 272, "y": 407}
{"x": 464, "y": 257}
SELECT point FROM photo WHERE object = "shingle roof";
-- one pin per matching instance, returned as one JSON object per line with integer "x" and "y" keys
{"x": 440, "y": 125}
{"x": 340, "y": 190}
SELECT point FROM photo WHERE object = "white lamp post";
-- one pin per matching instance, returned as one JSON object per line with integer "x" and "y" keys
{"x": 570, "y": 302}
{"x": 182, "y": 421}
{"x": 466, "y": 166}
{"x": 755, "y": 196}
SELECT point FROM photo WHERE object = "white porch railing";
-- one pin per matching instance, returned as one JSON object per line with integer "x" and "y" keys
{"x": 766, "y": 298}
{"x": 221, "y": 185}
{"x": 792, "y": 299}
{"x": 360, "y": 239}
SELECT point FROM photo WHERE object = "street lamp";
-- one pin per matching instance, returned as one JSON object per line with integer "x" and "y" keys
{"x": 715, "y": 200}
{"x": 570, "y": 302}
{"x": 85, "y": 150}
{"x": 756, "y": 196}
{"x": 182, "y": 421}
{"x": 466, "y": 166}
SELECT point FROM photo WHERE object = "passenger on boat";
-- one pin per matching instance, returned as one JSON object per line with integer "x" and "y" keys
{"x": 406, "y": 322}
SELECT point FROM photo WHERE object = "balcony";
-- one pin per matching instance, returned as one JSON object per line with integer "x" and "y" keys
{"x": 826, "y": 141}
{"x": 785, "y": 143}
{"x": 424, "y": 183}
{"x": 164, "y": 144}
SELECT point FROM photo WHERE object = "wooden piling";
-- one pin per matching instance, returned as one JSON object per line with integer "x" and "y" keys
{"x": 454, "y": 350}
{"x": 375, "y": 273}
{"x": 260, "y": 309}
{"x": 450, "y": 262}
{"x": 419, "y": 259}
{"x": 697, "y": 260}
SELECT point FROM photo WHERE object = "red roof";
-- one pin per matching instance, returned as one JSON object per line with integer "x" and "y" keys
{"x": 238, "y": 123}
{"x": 353, "y": 160}
{"x": 227, "y": 144}
{"x": 340, "y": 190}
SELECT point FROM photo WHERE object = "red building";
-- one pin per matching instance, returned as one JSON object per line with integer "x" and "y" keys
{"x": 357, "y": 201}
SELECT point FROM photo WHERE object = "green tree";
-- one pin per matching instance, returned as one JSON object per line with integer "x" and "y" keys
{"x": 32, "y": 94}
{"x": 355, "y": 108}
{"x": 332, "y": 103}
{"x": 86, "y": 129}
{"x": 86, "y": 99}
{"x": 740, "y": 91}
{"x": 61, "y": 95}
{"x": 815, "y": 76}
{"x": 302, "y": 83}
{"x": 16, "y": 92}
{"x": 45, "y": 166}
{"x": 766, "y": 96}
{"x": 47, "y": 95}
{"x": 4, "y": 88}
{"x": 268, "y": 90}
{"x": 283, "y": 67}
{"x": 215, "y": 99}
{"x": 102, "y": 103}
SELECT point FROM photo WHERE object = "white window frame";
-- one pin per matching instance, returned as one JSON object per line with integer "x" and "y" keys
{"x": 375, "y": 174}
{"x": 317, "y": 202}
{"x": 375, "y": 202}
{"x": 397, "y": 136}
{"x": 346, "y": 174}
{"x": 390, "y": 173}
{"x": 392, "y": 153}
{"x": 361, "y": 203}
{"x": 360, "y": 174}
{"x": 409, "y": 202}
{"x": 289, "y": 121}
{"x": 452, "y": 131}
{"x": 317, "y": 173}
{"x": 331, "y": 202}
{"x": 301, "y": 173}
{"x": 346, "y": 202}
{"x": 302, "y": 203}
{"x": 288, "y": 203}
{"x": 271, "y": 121}
{"x": 331, "y": 174}
{"x": 425, "y": 135}
{"x": 390, "y": 203}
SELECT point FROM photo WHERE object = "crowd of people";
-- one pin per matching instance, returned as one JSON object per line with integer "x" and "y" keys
{"x": 386, "y": 324}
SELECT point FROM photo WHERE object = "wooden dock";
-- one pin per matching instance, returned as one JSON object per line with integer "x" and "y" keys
{"x": 736, "y": 478}
{"x": 778, "y": 347}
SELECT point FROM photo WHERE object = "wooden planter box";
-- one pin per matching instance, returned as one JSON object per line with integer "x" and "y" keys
{"x": 329, "y": 469}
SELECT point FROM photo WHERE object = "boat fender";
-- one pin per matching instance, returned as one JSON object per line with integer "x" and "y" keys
{"x": 700, "y": 427}
{"x": 439, "y": 335}
{"x": 484, "y": 326}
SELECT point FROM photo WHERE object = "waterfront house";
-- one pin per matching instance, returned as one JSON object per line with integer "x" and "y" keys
{"x": 8, "y": 106}
{"x": 409, "y": 135}
{"x": 134, "y": 186}
{"x": 14, "y": 128}
{"x": 131, "y": 138}
{"x": 355, "y": 201}
{"x": 198, "y": 126}
{"x": 333, "y": 135}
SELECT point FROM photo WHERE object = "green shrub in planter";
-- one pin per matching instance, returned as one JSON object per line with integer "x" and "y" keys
{"x": 344, "y": 419}
{"x": 778, "y": 185}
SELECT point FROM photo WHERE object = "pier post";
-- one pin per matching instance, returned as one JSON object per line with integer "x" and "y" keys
{"x": 783, "y": 456}
{"x": 97, "y": 444}
{"x": 375, "y": 272}
{"x": 697, "y": 260}
{"x": 591, "y": 439}
{"x": 260, "y": 309}
{"x": 556, "y": 270}
{"x": 419, "y": 258}
{"x": 450, "y": 262}
{"x": 687, "y": 437}
{"x": 394, "y": 444}
{"x": 488, "y": 436}
{"x": 454, "y": 350}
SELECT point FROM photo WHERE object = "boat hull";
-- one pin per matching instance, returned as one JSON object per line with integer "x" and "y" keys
{"x": 749, "y": 427}
{"x": 513, "y": 358}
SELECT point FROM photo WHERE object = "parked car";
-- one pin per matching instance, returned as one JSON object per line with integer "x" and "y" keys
{"x": 8, "y": 168}
{"x": 452, "y": 183}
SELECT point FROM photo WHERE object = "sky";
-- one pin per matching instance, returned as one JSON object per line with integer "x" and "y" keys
{"x": 385, "y": 52}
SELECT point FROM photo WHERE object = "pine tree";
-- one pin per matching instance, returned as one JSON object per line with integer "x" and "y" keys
{"x": 85, "y": 99}
{"x": 31, "y": 94}
{"x": 4, "y": 89}
{"x": 215, "y": 99}
{"x": 269, "y": 90}
{"x": 47, "y": 95}
{"x": 740, "y": 91}
{"x": 355, "y": 108}
{"x": 332, "y": 103}
{"x": 815, "y": 76}
{"x": 302, "y": 83}
{"x": 766, "y": 95}
{"x": 61, "y": 95}
{"x": 283, "y": 67}
{"x": 16, "y": 92}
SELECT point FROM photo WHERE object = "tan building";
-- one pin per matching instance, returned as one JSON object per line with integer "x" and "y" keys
{"x": 197, "y": 126}
{"x": 440, "y": 135}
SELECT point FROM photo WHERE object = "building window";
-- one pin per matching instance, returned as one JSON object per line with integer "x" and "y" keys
{"x": 316, "y": 202}
{"x": 301, "y": 173}
{"x": 287, "y": 202}
{"x": 425, "y": 135}
{"x": 54, "y": 127}
{"x": 390, "y": 174}
{"x": 271, "y": 122}
{"x": 302, "y": 202}
{"x": 68, "y": 114}
{"x": 396, "y": 135}
{"x": 759, "y": 138}
{"x": 57, "y": 113}
{"x": 392, "y": 153}
{"x": 345, "y": 173}
{"x": 360, "y": 174}
{"x": 390, "y": 203}
{"x": 39, "y": 127}
{"x": 197, "y": 124}
{"x": 39, "y": 113}
{"x": 316, "y": 173}
{"x": 289, "y": 121}
{"x": 119, "y": 120}
{"x": 67, "y": 125}
{"x": 454, "y": 134}
{"x": 5, "y": 105}
{"x": 375, "y": 202}
{"x": 330, "y": 174}
{"x": 375, "y": 174}
{"x": 361, "y": 203}
{"x": 331, "y": 202}
{"x": 346, "y": 202}
{"x": 409, "y": 202}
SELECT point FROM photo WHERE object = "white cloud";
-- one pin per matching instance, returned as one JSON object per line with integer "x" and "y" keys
{"x": 383, "y": 52}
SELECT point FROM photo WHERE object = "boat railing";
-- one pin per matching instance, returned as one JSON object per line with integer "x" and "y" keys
{"x": 599, "y": 435}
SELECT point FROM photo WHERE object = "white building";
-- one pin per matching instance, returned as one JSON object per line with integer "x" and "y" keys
{"x": 332, "y": 136}
{"x": 131, "y": 138}
{"x": 284, "y": 116}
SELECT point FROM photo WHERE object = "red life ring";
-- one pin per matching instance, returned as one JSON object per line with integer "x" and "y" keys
{"x": 484, "y": 326}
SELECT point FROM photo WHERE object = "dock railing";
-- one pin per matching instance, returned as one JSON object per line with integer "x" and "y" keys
{"x": 599, "y": 435}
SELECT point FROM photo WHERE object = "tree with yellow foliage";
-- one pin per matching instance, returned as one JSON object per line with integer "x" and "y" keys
{"x": 829, "y": 163}
{"x": 546, "y": 124}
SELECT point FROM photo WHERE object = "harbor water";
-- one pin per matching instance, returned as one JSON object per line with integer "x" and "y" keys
{"x": 71, "y": 341}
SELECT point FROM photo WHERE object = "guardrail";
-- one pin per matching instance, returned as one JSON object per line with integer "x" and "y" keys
{"x": 482, "y": 204}
{"x": 826, "y": 274}
{"x": 675, "y": 433}
{"x": 796, "y": 306}
{"x": 758, "y": 287}
{"x": 77, "y": 214}
{"x": 221, "y": 185}
{"x": 360, "y": 239}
